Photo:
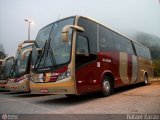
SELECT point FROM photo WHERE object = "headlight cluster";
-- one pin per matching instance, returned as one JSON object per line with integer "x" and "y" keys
{"x": 64, "y": 75}
{"x": 21, "y": 81}
{"x": 2, "y": 81}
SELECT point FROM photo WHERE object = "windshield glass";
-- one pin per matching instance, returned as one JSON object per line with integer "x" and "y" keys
{"x": 20, "y": 65}
{"x": 54, "y": 50}
{"x": 5, "y": 72}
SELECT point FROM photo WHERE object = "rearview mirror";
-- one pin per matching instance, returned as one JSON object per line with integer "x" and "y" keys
{"x": 39, "y": 50}
{"x": 65, "y": 31}
{"x": 21, "y": 44}
{"x": 4, "y": 61}
{"x": 23, "y": 55}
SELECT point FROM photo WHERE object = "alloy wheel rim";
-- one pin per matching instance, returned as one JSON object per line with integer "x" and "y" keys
{"x": 145, "y": 80}
{"x": 106, "y": 86}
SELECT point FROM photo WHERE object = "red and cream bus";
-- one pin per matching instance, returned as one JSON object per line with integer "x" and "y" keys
{"x": 78, "y": 55}
{"x": 19, "y": 75}
{"x": 6, "y": 67}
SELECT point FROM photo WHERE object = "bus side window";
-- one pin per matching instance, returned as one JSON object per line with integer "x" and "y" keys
{"x": 117, "y": 41}
{"x": 82, "y": 47}
{"x": 129, "y": 47}
{"x": 105, "y": 39}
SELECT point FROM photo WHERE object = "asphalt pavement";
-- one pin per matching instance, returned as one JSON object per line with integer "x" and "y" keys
{"x": 124, "y": 103}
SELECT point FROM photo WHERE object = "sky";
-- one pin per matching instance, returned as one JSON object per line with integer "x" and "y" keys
{"x": 124, "y": 16}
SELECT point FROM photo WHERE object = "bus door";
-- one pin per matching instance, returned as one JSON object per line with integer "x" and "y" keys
{"x": 86, "y": 57}
{"x": 85, "y": 67}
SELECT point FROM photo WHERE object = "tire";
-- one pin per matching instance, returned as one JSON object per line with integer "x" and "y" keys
{"x": 145, "y": 80}
{"x": 107, "y": 86}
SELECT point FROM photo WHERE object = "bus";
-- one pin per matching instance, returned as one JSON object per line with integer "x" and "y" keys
{"x": 19, "y": 76}
{"x": 77, "y": 55}
{"x": 1, "y": 61}
{"x": 6, "y": 67}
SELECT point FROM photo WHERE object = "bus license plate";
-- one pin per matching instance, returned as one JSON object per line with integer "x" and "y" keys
{"x": 44, "y": 90}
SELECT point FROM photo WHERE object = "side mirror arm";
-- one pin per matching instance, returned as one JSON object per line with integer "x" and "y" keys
{"x": 65, "y": 31}
{"x": 26, "y": 41}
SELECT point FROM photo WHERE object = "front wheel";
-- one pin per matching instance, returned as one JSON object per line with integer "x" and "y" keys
{"x": 145, "y": 80}
{"x": 107, "y": 86}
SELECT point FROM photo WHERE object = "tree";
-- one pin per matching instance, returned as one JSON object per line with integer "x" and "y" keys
{"x": 153, "y": 43}
{"x": 2, "y": 53}
{"x": 156, "y": 66}
{"x": 150, "y": 41}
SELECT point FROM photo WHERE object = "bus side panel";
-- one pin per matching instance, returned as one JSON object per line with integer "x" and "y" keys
{"x": 142, "y": 68}
{"x": 86, "y": 78}
{"x": 135, "y": 69}
{"x": 145, "y": 66}
{"x": 89, "y": 76}
{"x": 109, "y": 64}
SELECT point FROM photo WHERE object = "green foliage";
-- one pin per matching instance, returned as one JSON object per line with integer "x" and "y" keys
{"x": 153, "y": 43}
{"x": 2, "y": 55}
{"x": 150, "y": 41}
{"x": 156, "y": 66}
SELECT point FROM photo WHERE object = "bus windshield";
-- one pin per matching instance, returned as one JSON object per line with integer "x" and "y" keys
{"x": 54, "y": 51}
{"x": 20, "y": 65}
{"x": 6, "y": 69}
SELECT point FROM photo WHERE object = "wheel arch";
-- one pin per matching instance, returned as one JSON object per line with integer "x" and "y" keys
{"x": 110, "y": 74}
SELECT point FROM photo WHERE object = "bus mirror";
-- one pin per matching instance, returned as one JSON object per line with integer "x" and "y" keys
{"x": 39, "y": 49}
{"x": 25, "y": 52}
{"x": 21, "y": 44}
{"x": 5, "y": 60}
{"x": 65, "y": 31}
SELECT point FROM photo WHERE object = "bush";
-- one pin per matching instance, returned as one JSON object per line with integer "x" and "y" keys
{"x": 156, "y": 68}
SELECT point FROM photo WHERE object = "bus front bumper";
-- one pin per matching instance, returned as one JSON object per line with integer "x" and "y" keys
{"x": 65, "y": 86}
{"x": 22, "y": 86}
{"x": 4, "y": 86}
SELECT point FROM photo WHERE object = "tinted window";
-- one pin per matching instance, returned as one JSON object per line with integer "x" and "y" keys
{"x": 122, "y": 44}
{"x": 105, "y": 39}
{"x": 82, "y": 45}
{"x": 116, "y": 40}
{"x": 142, "y": 51}
{"x": 90, "y": 32}
{"x": 128, "y": 46}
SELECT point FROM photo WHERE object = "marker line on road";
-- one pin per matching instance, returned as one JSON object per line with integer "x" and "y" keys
{"x": 40, "y": 107}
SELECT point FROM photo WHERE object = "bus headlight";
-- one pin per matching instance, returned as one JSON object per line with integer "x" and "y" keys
{"x": 64, "y": 75}
{"x": 21, "y": 81}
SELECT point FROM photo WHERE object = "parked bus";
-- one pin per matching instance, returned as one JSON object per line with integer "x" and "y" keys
{"x": 19, "y": 77}
{"x": 1, "y": 61}
{"x": 78, "y": 55}
{"x": 6, "y": 66}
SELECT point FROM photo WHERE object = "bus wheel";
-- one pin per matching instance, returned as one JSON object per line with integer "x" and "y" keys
{"x": 107, "y": 86}
{"x": 145, "y": 79}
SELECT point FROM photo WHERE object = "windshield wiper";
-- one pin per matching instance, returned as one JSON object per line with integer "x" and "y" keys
{"x": 51, "y": 53}
{"x": 39, "y": 58}
{"x": 46, "y": 50}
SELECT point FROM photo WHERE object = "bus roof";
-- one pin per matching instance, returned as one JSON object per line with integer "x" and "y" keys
{"x": 109, "y": 27}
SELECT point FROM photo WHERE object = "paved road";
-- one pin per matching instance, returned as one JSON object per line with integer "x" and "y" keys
{"x": 136, "y": 99}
